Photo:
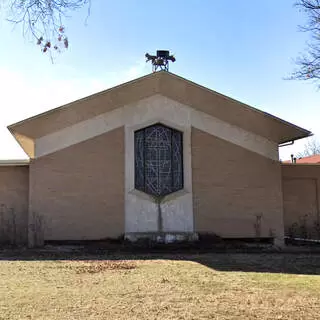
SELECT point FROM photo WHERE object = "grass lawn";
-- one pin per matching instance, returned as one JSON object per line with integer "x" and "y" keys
{"x": 194, "y": 286}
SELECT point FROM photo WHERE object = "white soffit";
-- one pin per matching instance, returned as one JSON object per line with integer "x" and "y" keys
{"x": 154, "y": 106}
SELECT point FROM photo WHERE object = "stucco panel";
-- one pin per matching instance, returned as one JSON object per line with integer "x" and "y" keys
{"x": 80, "y": 190}
{"x": 153, "y": 109}
{"x": 232, "y": 186}
{"x": 14, "y": 185}
{"x": 176, "y": 209}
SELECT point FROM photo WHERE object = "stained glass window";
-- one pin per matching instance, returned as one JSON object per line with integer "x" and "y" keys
{"x": 158, "y": 160}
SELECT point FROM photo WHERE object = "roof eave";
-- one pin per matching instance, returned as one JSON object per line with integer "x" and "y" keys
{"x": 305, "y": 134}
{"x": 289, "y": 132}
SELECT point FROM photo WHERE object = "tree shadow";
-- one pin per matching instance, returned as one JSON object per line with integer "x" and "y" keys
{"x": 304, "y": 262}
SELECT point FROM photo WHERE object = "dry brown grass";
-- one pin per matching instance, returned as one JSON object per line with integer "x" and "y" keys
{"x": 207, "y": 286}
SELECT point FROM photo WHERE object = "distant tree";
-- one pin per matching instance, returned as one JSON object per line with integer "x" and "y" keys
{"x": 308, "y": 64}
{"x": 312, "y": 147}
{"x": 43, "y": 19}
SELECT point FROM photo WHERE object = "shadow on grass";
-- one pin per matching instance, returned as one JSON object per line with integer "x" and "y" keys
{"x": 288, "y": 263}
{"x": 220, "y": 258}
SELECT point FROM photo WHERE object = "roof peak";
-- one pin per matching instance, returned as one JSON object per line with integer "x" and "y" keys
{"x": 169, "y": 85}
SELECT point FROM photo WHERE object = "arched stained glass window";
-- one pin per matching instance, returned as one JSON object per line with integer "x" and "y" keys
{"x": 158, "y": 160}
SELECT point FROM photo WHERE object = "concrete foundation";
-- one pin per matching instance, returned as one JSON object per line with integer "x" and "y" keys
{"x": 162, "y": 237}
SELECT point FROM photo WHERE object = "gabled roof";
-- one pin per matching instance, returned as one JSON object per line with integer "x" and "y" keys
{"x": 166, "y": 84}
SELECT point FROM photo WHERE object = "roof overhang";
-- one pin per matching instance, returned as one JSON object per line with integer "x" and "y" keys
{"x": 166, "y": 84}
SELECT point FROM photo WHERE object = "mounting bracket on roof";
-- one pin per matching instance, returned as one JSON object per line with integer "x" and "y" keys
{"x": 161, "y": 60}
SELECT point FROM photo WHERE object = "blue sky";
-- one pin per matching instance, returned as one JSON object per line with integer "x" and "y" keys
{"x": 243, "y": 49}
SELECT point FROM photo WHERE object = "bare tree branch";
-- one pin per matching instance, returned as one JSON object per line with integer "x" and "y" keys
{"x": 44, "y": 20}
{"x": 308, "y": 64}
{"x": 312, "y": 147}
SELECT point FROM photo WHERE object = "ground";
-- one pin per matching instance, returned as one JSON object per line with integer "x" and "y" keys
{"x": 160, "y": 286}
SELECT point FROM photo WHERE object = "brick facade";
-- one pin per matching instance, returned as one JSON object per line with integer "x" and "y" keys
{"x": 14, "y": 188}
{"x": 80, "y": 190}
{"x": 301, "y": 194}
{"x": 231, "y": 187}
{"x": 81, "y": 172}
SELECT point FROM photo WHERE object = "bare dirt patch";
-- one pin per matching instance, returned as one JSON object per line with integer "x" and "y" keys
{"x": 93, "y": 266}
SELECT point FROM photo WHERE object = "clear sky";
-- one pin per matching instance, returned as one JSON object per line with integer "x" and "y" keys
{"x": 243, "y": 49}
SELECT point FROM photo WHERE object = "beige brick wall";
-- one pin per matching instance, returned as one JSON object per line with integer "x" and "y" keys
{"x": 80, "y": 190}
{"x": 14, "y": 182}
{"x": 231, "y": 187}
{"x": 301, "y": 200}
